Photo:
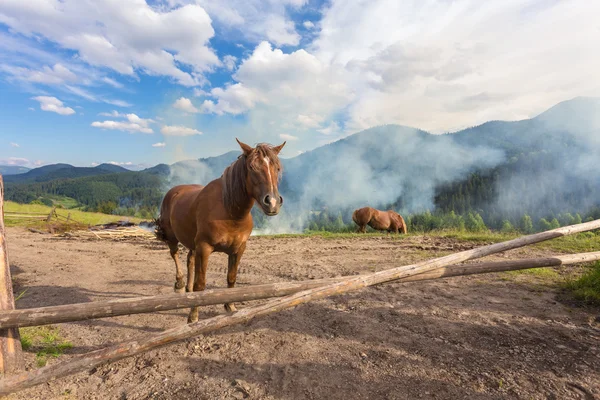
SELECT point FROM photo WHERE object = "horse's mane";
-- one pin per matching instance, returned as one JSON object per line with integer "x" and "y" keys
{"x": 235, "y": 193}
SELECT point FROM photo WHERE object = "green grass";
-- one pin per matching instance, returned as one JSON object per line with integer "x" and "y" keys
{"x": 45, "y": 341}
{"x": 579, "y": 243}
{"x": 86, "y": 218}
{"x": 487, "y": 236}
{"x": 586, "y": 287}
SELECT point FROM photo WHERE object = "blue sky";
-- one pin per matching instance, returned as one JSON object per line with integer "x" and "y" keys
{"x": 138, "y": 83}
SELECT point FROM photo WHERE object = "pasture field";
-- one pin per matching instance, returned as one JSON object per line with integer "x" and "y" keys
{"x": 26, "y": 215}
{"x": 506, "y": 335}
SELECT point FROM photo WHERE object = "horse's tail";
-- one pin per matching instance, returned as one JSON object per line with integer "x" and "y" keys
{"x": 354, "y": 217}
{"x": 403, "y": 224}
{"x": 159, "y": 231}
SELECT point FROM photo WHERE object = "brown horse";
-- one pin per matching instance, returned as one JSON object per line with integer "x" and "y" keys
{"x": 389, "y": 221}
{"x": 216, "y": 217}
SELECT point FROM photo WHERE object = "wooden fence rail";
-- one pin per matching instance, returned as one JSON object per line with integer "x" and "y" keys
{"x": 102, "y": 309}
{"x": 119, "y": 351}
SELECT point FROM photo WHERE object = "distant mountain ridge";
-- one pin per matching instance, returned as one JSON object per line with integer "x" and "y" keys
{"x": 63, "y": 171}
{"x": 12, "y": 170}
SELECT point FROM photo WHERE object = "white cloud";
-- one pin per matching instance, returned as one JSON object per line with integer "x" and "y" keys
{"x": 127, "y": 37}
{"x": 113, "y": 113}
{"x": 15, "y": 161}
{"x": 332, "y": 128}
{"x": 31, "y": 108}
{"x": 112, "y": 82}
{"x": 159, "y": 144}
{"x": 52, "y": 104}
{"x": 255, "y": 19}
{"x": 178, "y": 130}
{"x": 307, "y": 121}
{"x": 308, "y": 24}
{"x": 286, "y": 136}
{"x": 58, "y": 74}
{"x": 185, "y": 104}
{"x": 133, "y": 123}
{"x": 443, "y": 65}
{"x": 229, "y": 62}
{"x": 285, "y": 83}
{"x": 13, "y": 144}
{"x": 234, "y": 99}
{"x": 118, "y": 103}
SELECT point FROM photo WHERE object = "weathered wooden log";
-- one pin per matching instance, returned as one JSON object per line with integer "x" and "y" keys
{"x": 110, "y": 308}
{"x": 10, "y": 342}
{"x": 122, "y": 350}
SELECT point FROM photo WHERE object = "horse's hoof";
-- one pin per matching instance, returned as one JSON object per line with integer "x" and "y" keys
{"x": 230, "y": 307}
{"x": 179, "y": 287}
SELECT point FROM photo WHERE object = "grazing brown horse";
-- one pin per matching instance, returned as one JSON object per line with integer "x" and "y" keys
{"x": 389, "y": 221}
{"x": 216, "y": 217}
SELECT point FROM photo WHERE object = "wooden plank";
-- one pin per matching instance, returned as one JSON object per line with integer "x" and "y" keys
{"x": 110, "y": 308}
{"x": 10, "y": 341}
{"x": 152, "y": 341}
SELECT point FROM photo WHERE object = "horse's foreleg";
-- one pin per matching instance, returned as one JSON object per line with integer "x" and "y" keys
{"x": 200, "y": 265}
{"x": 190, "y": 271}
{"x": 232, "y": 268}
{"x": 174, "y": 249}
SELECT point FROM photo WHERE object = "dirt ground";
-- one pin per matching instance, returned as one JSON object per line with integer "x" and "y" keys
{"x": 478, "y": 337}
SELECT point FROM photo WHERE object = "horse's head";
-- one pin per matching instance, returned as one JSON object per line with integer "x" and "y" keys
{"x": 264, "y": 171}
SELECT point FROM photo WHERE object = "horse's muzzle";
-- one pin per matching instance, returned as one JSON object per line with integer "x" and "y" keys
{"x": 271, "y": 204}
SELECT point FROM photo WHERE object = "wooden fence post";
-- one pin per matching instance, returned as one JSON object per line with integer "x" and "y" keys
{"x": 10, "y": 342}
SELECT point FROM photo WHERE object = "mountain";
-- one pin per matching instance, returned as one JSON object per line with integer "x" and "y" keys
{"x": 12, "y": 170}
{"x": 111, "y": 168}
{"x": 63, "y": 171}
{"x": 501, "y": 169}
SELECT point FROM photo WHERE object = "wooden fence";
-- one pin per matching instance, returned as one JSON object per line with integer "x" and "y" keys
{"x": 293, "y": 294}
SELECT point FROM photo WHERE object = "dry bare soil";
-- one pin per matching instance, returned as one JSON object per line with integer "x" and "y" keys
{"x": 478, "y": 337}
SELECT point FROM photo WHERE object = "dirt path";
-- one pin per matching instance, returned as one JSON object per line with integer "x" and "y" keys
{"x": 478, "y": 337}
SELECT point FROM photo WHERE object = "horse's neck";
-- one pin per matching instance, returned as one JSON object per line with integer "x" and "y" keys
{"x": 244, "y": 204}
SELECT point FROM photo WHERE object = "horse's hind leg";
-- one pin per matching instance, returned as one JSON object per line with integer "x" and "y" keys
{"x": 179, "y": 285}
{"x": 232, "y": 268}
{"x": 190, "y": 271}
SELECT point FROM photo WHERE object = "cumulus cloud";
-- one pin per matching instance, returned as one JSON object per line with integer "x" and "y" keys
{"x": 132, "y": 124}
{"x": 159, "y": 144}
{"x": 185, "y": 104}
{"x": 126, "y": 37}
{"x": 52, "y": 104}
{"x": 178, "y": 130}
{"x": 295, "y": 86}
{"x": 308, "y": 24}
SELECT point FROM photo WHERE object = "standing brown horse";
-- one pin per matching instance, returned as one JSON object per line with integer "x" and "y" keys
{"x": 216, "y": 217}
{"x": 389, "y": 221}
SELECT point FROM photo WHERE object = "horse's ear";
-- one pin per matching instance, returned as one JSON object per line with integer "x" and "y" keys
{"x": 277, "y": 149}
{"x": 245, "y": 148}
